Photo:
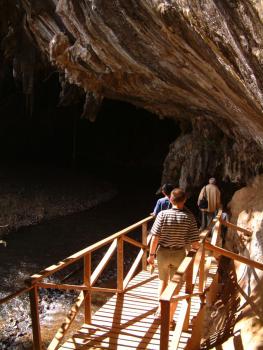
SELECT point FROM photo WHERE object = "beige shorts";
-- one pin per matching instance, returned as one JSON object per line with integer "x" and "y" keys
{"x": 168, "y": 261}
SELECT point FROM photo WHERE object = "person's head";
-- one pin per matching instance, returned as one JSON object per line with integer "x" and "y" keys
{"x": 178, "y": 197}
{"x": 212, "y": 181}
{"x": 167, "y": 189}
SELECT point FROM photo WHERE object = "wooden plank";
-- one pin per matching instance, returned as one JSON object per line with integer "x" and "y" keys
{"x": 133, "y": 337}
{"x": 198, "y": 329}
{"x": 216, "y": 232}
{"x": 87, "y": 293}
{"x": 179, "y": 297}
{"x": 33, "y": 296}
{"x": 144, "y": 242}
{"x": 179, "y": 325}
{"x": 165, "y": 321}
{"x": 135, "y": 264}
{"x": 133, "y": 242}
{"x": 189, "y": 290}
{"x": 142, "y": 329}
{"x": 234, "y": 256}
{"x": 61, "y": 286}
{"x": 188, "y": 260}
{"x": 15, "y": 294}
{"x": 133, "y": 269}
{"x": 171, "y": 289}
{"x": 110, "y": 343}
{"x": 73, "y": 258}
{"x": 65, "y": 326}
{"x": 125, "y": 313}
{"x": 130, "y": 303}
{"x": 237, "y": 228}
{"x": 103, "y": 263}
{"x": 120, "y": 261}
{"x": 103, "y": 290}
{"x": 197, "y": 262}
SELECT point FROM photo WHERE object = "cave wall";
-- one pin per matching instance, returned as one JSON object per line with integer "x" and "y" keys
{"x": 207, "y": 151}
{"x": 198, "y": 62}
{"x": 246, "y": 209}
{"x": 177, "y": 58}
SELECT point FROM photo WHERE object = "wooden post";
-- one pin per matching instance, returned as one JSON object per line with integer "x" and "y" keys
{"x": 211, "y": 295}
{"x": 33, "y": 296}
{"x": 202, "y": 271}
{"x": 165, "y": 324}
{"x": 87, "y": 293}
{"x": 198, "y": 330}
{"x": 188, "y": 290}
{"x": 120, "y": 265}
{"x": 144, "y": 241}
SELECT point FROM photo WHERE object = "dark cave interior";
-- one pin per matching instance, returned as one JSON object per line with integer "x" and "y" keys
{"x": 124, "y": 141}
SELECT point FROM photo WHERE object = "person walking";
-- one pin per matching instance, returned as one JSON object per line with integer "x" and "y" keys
{"x": 164, "y": 203}
{"x": 172, "y": 231}
{"x": 211, "y": 193}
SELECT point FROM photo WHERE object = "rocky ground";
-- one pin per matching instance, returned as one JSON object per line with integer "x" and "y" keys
{"x": 57, "y": 235}
{"x": 29, "y": 196}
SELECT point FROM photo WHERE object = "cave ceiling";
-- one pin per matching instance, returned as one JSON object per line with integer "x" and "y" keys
{"x": 177, "y": 58}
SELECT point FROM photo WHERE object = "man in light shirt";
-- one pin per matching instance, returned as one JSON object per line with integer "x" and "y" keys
{"x": 213, "y": 196}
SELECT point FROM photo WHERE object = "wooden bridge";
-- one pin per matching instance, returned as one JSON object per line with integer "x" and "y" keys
{"x": 126, "y": 320}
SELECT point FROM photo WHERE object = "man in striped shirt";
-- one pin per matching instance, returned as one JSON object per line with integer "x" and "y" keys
{"x": 172, "y": 231}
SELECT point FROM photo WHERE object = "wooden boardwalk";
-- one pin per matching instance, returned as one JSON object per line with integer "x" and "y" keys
{"x": 126, "y": 321}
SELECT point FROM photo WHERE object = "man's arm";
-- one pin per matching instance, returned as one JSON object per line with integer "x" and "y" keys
{"x": 157, "y": 208}
{"x": 153, "y": 246}
{"x": 201, "y": 195}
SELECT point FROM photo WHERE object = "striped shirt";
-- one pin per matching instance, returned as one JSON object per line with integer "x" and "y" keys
{"x": 175, "y": 228}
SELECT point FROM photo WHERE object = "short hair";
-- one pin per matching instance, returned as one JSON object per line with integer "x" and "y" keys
{"x": 177, "y": 196}
{"x": 212, "y": 180}
{"x": 167, "y": 189}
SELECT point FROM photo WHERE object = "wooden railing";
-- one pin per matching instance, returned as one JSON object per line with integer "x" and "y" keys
{"x": 194, "y": 268}
{"x": 196, "y": 264}
{"x": 116, "y": 243}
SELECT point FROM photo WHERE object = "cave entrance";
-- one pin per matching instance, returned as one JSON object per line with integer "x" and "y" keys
{"x": 125, "y": 143}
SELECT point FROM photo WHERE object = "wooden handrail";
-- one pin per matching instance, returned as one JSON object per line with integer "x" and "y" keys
{"x": 15, "y": 294}
{"x": 172, "y": 288}
{"x": 61, "y": 286}
{"x": 87, "y": 288}
{"x": 233, "y": 256}
{"x": 71, "y": 259}
{"x": 237, "y": 228}
{"x": 177, "y": 278}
